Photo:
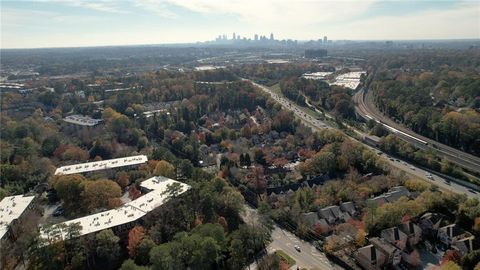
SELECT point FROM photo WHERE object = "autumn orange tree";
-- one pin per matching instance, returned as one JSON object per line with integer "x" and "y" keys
{"x": 135, "y": 236}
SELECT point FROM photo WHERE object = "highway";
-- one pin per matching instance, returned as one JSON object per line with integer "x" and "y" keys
{"x": 408, "y": 168}
{"x": 366, "y": 109}
{"x": 308, "y": 257}
{"x": 297, "y": 110}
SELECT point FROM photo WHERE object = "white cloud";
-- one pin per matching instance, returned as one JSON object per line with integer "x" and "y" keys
{"x": 460, "y": 22}
{"x": 160, "y": 8}
{"x": 274, "y": 12}
{"x": 105, "y": 6}
{"x": 110, "y": 6}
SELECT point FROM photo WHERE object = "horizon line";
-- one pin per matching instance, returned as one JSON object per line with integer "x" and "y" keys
{"x": 208, "y": 41}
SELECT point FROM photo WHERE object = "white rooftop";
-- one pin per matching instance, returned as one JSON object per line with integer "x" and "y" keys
{"x": 316, "y": 75}
{"x": 101, "y": 165}
{"x": 350, "y": 79}
{"x": 208, "y": 67}
{"x": 127, "y": 213}
{"x": 12, "y": 208}
{"x": 82, "y": 120}
{"x": 118, "y": 89}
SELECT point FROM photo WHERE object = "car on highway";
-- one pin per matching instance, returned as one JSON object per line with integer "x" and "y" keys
{"x": 413, "y": 168}
{"x": 297, "y": 248}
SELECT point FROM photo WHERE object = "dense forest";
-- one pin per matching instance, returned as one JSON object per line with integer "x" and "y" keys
{"x": 332, "y": 98}
{"x": 437, "y": 96}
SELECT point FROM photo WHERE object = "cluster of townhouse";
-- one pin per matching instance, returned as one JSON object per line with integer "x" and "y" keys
{"x": 327, "y": 218}
{"x": 393, "y": 248}
{"x": 395, "y": 244}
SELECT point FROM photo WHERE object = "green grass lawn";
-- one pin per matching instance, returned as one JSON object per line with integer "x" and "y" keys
{"x": 285, "y": 257}
{"x": 275, "y": 88}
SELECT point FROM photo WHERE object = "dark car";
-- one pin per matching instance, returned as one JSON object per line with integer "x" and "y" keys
{"x": 58, "y": 212}
{"x": 52, "y": 196}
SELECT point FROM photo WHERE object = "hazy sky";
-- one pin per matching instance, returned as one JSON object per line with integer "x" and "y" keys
{"x": 45, "y": 23}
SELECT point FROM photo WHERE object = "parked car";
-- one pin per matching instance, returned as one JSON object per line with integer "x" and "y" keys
{"x": 297, "y": 247}
{"x": 58, "y": 212}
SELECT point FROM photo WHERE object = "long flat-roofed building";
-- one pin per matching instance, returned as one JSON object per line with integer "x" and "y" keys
{"x": 101, "y": 165}
{"x": 12, "y": 208}
{"x": 81, "y": 120}
{"x": 126, "y": 216}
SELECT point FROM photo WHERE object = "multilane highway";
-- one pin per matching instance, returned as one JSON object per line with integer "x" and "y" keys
{"x": 408, "y": 168}
{"x": 367, "y": 110}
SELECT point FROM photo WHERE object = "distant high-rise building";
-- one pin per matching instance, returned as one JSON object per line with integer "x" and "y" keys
{"x": 233, "y": 36}
{"x": 224, "y": 37}
{"x": 325, "y": 40}
{"x": 271, "y": 36}
{"x": 256, "y": 37}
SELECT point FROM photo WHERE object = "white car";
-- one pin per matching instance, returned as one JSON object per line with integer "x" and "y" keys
{"x": 297, "y": 247}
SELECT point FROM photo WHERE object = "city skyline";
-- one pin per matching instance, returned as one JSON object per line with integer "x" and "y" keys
{"x": 77, "y": 23}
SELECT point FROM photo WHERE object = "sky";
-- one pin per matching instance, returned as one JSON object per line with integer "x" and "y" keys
{"x": 74, "y": 23}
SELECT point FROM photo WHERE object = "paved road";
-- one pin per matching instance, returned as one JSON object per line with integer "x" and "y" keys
{"x": 308, "y": 256}
{"x": 365, "y": 108}
{"x": 439, "y": 181}
{"x": 403, "y": 166}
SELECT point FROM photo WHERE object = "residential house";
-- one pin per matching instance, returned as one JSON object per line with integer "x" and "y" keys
{"x": 312, "y": 220}
{"x": 452, "y": 236}
{"x": 464, "y": 243}
{"x": 371, "y": 258}
{"x": 349, "y": 207}
{"x": 447, "y": 233}
{"x": 395, "y": 237}
{"x": 413, "y": 231}
{"x": 430, "y": 223}
{"x": 331, "y": 214}
{"x": 392, "y": 195}
{"x": 392, "y": 253}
